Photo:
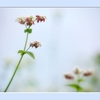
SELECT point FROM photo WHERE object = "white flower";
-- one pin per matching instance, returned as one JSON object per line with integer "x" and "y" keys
{"x": 35, "y": 44}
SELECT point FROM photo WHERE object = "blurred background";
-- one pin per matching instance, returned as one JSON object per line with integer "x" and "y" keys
{"x": 70, "y": 37}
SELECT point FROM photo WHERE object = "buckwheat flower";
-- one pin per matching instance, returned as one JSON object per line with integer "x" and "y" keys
{"x": 21, "y": 20}
{"x": 77, "y": 70}
{"x": 35, "y": 44}
{"x": 40, "y": 18}
{"x": 88, "y": 73}
{"x": 29, "y": 20}
{"x": 29, "y": 23}
{"x": 69, "y": 76}
{"x": 31, "y": 17}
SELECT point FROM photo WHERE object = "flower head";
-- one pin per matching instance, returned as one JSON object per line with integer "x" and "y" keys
{"x": 21, "y": 20}
{"x": 29, "y": 21}
{"x": 35, "y": 44}
{"x": 69, "y": 76}
{"x": 77, "y": 70}
{"x": 40, "y": 18}
{"x": 88, "y": 73}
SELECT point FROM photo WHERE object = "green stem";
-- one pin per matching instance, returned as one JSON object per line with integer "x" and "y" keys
{"x": 13, "y": 74}
{"x": 17, "y": 65}
{"x": 26, "y": 41}
{"x": 78, "y": 83}
{"x": 28, "y": 48}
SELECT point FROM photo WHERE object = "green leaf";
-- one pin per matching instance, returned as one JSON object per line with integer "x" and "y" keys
{"x": 21, "y": 52}
{"x": 26, "y": 30}
{"x": 30, "y": 54}
{"x": 29, "y": 30}
{"x": 76, "y": 86}
{"x": 80, "y": 80}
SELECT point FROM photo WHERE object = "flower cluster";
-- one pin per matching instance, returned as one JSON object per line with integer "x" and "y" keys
{"x": 29, "y": 21}
{"x": 35, "y": 44}
{"x": 40, "y": 18}
{"x": 78, "y": 71}
{"x": 78, "y": 77}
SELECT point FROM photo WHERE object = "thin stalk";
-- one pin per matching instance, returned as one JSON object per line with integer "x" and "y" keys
{"x": 26, "y": 41}
{"x": 17, "y": 65}
{"x": 13, "y": 74}
{"x": 78, "y": 83}
{"x": 28, "y": 48}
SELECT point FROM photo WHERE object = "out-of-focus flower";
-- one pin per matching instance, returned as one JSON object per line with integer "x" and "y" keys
{"x": 10, "y": 60}
{"x": 77, "y": 70}
{"x": 35, "y": 44}
{"x": 69, "y": 76}
{"x": 88, "y": 73}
